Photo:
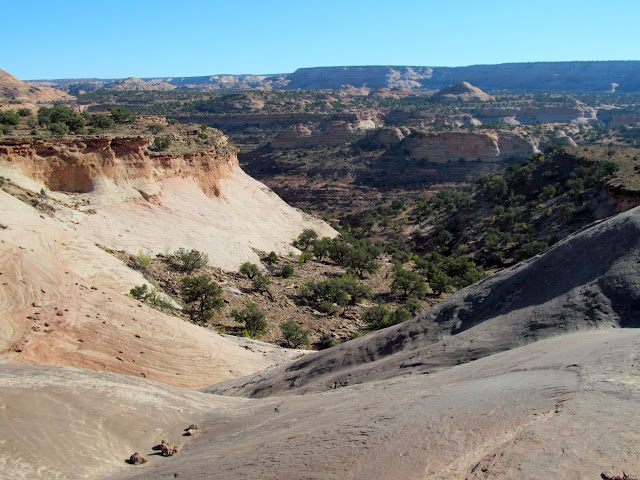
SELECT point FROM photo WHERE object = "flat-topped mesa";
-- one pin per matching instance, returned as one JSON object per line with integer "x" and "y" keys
{"x": 83, "y": 164}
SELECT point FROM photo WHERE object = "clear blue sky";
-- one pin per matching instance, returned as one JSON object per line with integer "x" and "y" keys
{"x": 115, "y": 39}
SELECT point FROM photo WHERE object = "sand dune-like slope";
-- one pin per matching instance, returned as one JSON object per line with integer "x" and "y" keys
{"x": 564, "y": 407}
{"x": 246, "y": 216}
{"x": 63, "y": 301}
{"x": 589, "y": 280}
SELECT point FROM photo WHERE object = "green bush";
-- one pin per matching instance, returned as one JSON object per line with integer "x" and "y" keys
{"x": 102, "y": 121}
{"x": 155, "y": 128}
{"x": 253, "y": 318}
{"x": 160, "y": 143}
{"x": 261, "y": 283}
{"x": 326, "y": 341}
{"x": 24, "y": 112}
{"x": 58, "y": 129}
{"x": 378, "y": 317}
{"x": 138, "y": 292}
{"x": 189, "y": 260}
{"x": 56, "y": 116}
{"x": 122, "y": 115}
{"x": 287, "y": 271}
{"x": 272, "y": 258}
{"x": 408, "y": 283}
{"x": 249, "y": 269}
{"x": 143, "y": 259}
{"x": 294, "y": 335}
{"x": 9, "y": 117}
{"x": 201, "y": 297}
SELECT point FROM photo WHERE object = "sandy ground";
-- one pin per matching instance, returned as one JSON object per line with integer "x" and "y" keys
{"x": 564, "y": 407}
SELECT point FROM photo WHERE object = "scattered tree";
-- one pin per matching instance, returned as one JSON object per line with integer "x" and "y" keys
{"x": 252, "y": 317}
{"x": 201, "y": 297}
{"x": 294, "y": 335}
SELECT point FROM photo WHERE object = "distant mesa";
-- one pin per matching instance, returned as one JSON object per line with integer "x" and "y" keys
{"x": 462, "y": 91}
{"x": 13, "y": 89}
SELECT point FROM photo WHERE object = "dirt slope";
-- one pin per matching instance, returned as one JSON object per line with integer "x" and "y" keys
{"x": 589, "y": 280}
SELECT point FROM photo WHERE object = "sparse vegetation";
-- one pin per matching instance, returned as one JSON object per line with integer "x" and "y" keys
{"x": 189, "y": 260}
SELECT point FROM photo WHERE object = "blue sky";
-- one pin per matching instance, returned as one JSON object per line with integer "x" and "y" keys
{"x": 115, "y": 39}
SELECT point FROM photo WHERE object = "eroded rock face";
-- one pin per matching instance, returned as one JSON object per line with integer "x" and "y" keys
{"x": 80, "y": 165}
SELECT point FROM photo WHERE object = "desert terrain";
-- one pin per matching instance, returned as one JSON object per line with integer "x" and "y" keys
{"x": 451, "y": 290}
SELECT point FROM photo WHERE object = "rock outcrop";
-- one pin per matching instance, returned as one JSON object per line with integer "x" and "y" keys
{"x": 462, "y": 91}
{"x": 14, "y": 89}
{"x": 454, "y": 146}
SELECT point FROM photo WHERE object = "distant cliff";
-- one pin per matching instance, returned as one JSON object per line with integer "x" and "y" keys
{"x": 595, "y": 76}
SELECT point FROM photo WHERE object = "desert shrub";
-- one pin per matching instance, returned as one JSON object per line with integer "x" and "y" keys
{"x": 24, "y": 112}
{"x": 102, "y": 121}
{"x": 306, "y": 238}
{"x": 326, "y": 291}
{"x": 340, "y": 291}
{"x": 138, "y": 292}
{"x": 160, "y": 143}
{"x": 201, "y": 297}
{"x": 326, "y": 341}
{"x": 143, "y": 259}
{"x": 356, "y": 291}
{"x": 172, "y": 121}
{"x": 155, "y": 128}
{"x": 58, "y": 116}
{"x": 122, "y": 115}
{"x": 414, "y": 306}
{"x": 189, "y": 260}
{"x": 272, "y": 258}
{"x": 261, "y": 283}
{"x": 328, "y": 308}
{"x": 253, "y": 318}
{"x": 58, "y": 129}
{"x": 378, "y": 317}
{"x": 294, "y": 335}
{"x": 249, "y": 269}
{"x": 9, "y": 117}
{"x": 302, "y": 259}
{"x": 93, "y": 131}
{"x": 531, "y": 249}
{"x": 287, "y": 271}
{"x": 408, "y": 283}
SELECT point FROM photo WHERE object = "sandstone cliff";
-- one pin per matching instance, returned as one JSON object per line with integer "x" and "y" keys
{"x": 122, "y": 196}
